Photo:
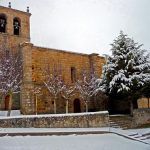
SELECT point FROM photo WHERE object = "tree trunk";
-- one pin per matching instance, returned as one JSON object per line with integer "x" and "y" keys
{"x": 10, "y": 104}
{"x": 131, "y": 108}
{"x": 148, "y": 103}
{"x": 35, "y": 104}
{"x": 67, "y": 106}
{"x": 3, "y": 100}
{"x": 55, "y": 105}
{"x": 86, "y": 105}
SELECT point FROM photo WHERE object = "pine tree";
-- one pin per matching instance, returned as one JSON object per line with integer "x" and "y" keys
{"x": 127, "y": 70}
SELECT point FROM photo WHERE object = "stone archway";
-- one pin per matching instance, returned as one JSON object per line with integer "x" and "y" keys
{"x": 7, "y": 99}
{"x": 77, "y": 107}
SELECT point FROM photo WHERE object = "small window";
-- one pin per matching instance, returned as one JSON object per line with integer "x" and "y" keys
{"x": 2, "y": 23}
{"x": 17, "y": 26}
{"x": 73, "y": 74}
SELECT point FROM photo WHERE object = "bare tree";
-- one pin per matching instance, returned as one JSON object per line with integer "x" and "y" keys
{"x": 10, "y": 74}
{"x": 67, "y": 92}
{"x": 54, "y": 82}
{"x": 87, "y": 87}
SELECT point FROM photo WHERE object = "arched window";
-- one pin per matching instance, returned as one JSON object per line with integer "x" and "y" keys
{"x": 2, "y": 23}
{"x": 17, "y": 26}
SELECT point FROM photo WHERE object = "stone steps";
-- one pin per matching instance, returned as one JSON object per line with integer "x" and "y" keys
{"x": 140, "y": 136}
{"x": 121, "y": 121}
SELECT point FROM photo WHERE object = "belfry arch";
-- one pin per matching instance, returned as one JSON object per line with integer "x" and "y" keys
{"x": 3, "y": 22}
{"x": 17, "y": 26}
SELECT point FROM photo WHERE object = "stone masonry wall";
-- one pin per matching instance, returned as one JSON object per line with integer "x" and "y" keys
{"x": 143, "y": 102}
{"x": 46, "y": 56}
{"x": 80, "y": 120}
{"x": 41, "y": 57}
{"x": 141, "y": 116}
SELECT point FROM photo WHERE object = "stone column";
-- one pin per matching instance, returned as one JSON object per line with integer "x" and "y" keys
{"x": 96, "y": 63}
{"x": 93, "y": 62}
{"x": 27, "y": 100}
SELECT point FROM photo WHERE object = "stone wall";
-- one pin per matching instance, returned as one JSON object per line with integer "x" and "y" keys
{"x": 143, "y": 102}
{"x": 80, "y": 120}
{"x": 43, "y": 57}
{"x": 141, "y": 116}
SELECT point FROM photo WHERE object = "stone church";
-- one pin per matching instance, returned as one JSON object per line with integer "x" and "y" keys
{"x": 15, "y": 33}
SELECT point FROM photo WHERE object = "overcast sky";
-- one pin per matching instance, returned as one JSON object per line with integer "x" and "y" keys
{"x": 86, "y": 26}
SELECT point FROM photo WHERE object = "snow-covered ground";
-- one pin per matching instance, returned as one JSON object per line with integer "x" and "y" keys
{"x": 71, "y": 142}
{"x": 13, "y": 113}
{"x": 107, "y": 141}
{"x": 44, "y": 130}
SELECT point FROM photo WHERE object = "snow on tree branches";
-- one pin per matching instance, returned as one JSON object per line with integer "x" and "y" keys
{"x": 127, "y": 68}
{"x": 87, "y": 87}
{"x": 54, "y": 82}
{"x": 10, "y": 74}
{"x": 67, "y": 92}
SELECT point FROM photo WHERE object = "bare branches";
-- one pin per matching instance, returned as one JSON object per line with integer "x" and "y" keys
{"x": 36, "y": 91}
{"x": 67, "y": 92}
{"x": 54, "y": 82}
{"x": 10, "y": 74}
{"x": 87, "y": 87}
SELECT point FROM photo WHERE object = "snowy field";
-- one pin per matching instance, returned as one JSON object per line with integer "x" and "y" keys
{"x": 71, "y": 142}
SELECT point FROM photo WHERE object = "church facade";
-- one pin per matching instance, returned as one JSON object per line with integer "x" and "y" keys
{"x": 15, "y": 34}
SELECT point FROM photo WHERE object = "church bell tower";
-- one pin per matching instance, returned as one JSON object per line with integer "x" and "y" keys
{"x": 14, "y": 26}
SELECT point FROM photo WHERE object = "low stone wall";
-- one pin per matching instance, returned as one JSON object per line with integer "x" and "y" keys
{"x": 80, "y": 120}
{"x": 141, "y": 116}
{"x": 143, "y": 102}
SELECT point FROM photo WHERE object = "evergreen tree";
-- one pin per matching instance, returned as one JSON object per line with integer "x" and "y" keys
{"x": 127, "y": 70}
